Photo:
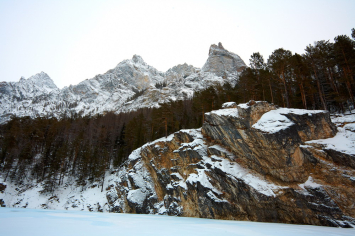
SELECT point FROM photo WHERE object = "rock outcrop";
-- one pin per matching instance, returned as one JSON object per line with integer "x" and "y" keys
{"x": 246, "y": 163}
{"x": 254, "y": 139}
{"x": 222, "y": 62}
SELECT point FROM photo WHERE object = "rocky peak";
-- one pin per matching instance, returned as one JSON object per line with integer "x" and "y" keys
{"x": 216, "y": 49}
{"x": 220, "y": 45}
{"x": 138, "y": 59}
{"x": 221, "y": 61}
{"x": 179, "y": 72}
{"x": 43, "y": 80}
{"x": 35, "y": 85}
{"x": 3, "y": 84}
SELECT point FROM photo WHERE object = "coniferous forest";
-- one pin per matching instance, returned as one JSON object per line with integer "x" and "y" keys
{"x": 321, "y": 78}
{"x": 85, "y": 147}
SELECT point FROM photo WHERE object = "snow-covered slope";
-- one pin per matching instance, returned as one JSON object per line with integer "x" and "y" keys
{"x": 132, "y": 84}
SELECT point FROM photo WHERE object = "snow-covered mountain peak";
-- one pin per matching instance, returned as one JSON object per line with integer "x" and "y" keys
{"x": 37, "y": 84}
{"x": 138, "y": 73}
{"x": 183, "y": 70}
{"x": 131, "y": 85}
{"x": 42, "y": 80}
{"x": 136, "y": 63}
{"x": 28, "y": 97}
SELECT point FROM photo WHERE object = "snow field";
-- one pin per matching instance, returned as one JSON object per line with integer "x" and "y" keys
{"x": 30, "y": 222}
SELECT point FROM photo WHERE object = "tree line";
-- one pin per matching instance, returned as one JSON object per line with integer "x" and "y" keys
{"x": 86, "y": 147}
{"x": 321, "y": 78}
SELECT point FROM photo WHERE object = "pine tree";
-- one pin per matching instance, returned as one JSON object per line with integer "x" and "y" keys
{"x": 344, "y": 49}
{"x": 313, "y": 57}
{"x": 279, "y": 63}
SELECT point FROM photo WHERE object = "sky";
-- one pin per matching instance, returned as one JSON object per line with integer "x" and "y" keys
{"x": 74, "y": 40}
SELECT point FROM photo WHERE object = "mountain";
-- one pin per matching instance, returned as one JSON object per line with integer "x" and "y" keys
{"x": 28, "y": 96}
{"x": 131, "y": 85}
{"x": 251, "y": 161}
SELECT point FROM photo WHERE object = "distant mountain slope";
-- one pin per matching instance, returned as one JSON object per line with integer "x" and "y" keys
{"x": 132, "y": 84}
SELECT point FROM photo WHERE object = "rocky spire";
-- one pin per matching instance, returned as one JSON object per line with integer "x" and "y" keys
{"x": 138, "y": 59}
{"x": 221, "y": 61}
{"x": 220, "y": 45}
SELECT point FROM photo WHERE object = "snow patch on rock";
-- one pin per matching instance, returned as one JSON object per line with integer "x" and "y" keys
{"x": 343, "y": 141}
{"x": 231, "y": 112}
{"x": 275, "y": 120}
{"x": 310, "y": 183}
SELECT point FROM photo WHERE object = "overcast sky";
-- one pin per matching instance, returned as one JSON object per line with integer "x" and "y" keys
{"x": 75, "y": 40}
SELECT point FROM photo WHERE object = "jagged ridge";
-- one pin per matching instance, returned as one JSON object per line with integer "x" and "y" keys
{"x": 114, "y": 90}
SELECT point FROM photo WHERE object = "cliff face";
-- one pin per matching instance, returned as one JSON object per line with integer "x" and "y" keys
{"x": 246, "y": 163}
{"x": 270, "y": 143}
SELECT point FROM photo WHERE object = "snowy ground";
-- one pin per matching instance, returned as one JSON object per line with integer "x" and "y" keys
{"x": 18, "y": 221}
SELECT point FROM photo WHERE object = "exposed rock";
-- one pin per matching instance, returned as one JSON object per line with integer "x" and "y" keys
{"x": 2, "y": 187}
{"x": 270, "y": 153}
{"x": 181, "y": 71}
{"x": 2, "y": 203}
{"x": 221, "y": 61}
{"x": 235, "y": 168}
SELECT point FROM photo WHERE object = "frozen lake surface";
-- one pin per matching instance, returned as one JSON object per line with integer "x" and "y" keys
{"x": 18, "y": 221}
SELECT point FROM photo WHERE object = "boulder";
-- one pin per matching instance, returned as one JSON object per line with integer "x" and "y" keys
{"x": 267, "y": 139}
